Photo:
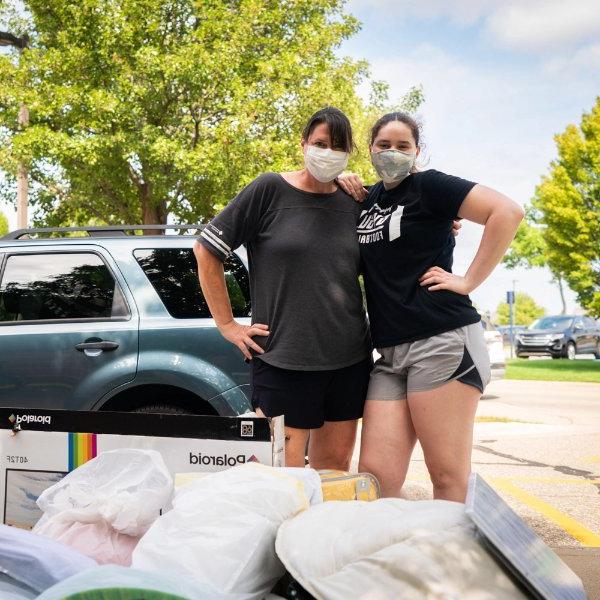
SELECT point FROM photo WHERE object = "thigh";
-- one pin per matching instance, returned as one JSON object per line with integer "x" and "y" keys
{"x": 346, "y": 392}
{"x": 387, "y": 441}
{"x": 443, "y": 420}
{"x": 331, "y": 446}
{"x": 295, "y": 444}
{"x": 297, "y": 395}
{"x": 460, "y": 354}
{"x": 388, "y": 377}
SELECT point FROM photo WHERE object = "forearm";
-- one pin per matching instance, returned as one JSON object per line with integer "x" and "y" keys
{"x": 212, "y": 282}
{"x": 499, "y": 231}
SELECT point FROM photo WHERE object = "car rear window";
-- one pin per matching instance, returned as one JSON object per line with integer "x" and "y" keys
{"x": 56, "y": 286}
{"x": 173, "y": 273}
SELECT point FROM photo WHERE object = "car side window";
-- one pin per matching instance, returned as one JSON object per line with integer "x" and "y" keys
{"x": 173, "y": 273}
{"x": 590, "y": 323}
{"x": 57, "y": 287}
{"x": 578, "y": 324}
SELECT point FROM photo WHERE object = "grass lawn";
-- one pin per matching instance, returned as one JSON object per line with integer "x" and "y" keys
{"x": 554, "y": 370}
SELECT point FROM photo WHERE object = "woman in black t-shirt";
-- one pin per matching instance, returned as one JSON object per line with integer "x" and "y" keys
{"x": 309, "y": 344}
{"x": 434, "y": 363}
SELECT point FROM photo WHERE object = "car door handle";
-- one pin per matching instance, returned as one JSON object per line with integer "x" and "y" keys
{"x": 102, "y": 345}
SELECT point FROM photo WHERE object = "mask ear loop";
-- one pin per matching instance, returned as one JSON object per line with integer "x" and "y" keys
{"x": 418, "y": 165}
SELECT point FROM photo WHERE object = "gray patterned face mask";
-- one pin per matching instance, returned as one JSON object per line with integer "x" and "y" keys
{"x": 393, "y": 165}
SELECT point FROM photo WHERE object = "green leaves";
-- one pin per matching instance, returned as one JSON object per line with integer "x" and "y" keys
{"x": 568, "y": 205}
{"x": 3, "y": 224}
{"x": 563, "y": 223}
{"x": 526, "y": 311}
{"x": 529, "y": 247}
{"x": 144, "y": 108}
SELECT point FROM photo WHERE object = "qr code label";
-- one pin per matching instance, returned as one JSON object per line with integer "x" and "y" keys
{"x": 247, "y": 429}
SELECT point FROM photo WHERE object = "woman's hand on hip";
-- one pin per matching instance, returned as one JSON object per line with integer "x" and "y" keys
{"x": 353, "y": 186}
{"x": 439, "y": 279}
{"x": 241, "y": 336}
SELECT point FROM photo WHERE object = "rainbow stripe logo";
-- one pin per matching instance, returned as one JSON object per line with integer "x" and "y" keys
{"x": 82, "y": 447}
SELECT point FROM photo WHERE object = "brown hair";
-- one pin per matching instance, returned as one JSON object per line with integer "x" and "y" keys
{"x": 340, "y": 129}
{"x": 397, "y": 116}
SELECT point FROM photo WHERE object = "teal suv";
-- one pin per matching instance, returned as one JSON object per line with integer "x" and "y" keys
{"x": 101, "y": 318}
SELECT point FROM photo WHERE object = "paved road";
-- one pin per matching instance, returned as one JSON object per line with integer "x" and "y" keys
{"x": 545, "y": 460}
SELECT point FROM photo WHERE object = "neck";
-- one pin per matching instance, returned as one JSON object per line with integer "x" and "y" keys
{"x": 309, "y": 184}
{"x": 391, "y": 186}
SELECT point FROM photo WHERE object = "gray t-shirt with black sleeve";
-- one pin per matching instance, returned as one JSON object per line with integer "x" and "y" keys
{"x": 304, "y": 262}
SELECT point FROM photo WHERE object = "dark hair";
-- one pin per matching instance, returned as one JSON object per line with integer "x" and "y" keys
{"x": 397, "y": 116}
{"x": 340, "y": 129}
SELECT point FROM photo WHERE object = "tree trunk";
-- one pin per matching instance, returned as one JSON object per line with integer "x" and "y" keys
{"x": 562, "y": 295}
{"x": 153, "y": 213}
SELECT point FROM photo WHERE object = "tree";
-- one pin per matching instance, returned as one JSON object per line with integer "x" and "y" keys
{"x": 567, "y": 207}
{"x": 144, "y": 108}
{"x": 529, "y": 250}
{"x": 3, "y": 224}
{"x": 526, "y": 311}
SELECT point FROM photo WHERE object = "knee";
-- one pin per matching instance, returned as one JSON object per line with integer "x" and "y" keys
{"x": 295, "y": 448}
{"x": 338, "y": 461}
{"x": 341, "y": 462}
{"x": 447, "y": 479}
{"x": 367, "y": 464}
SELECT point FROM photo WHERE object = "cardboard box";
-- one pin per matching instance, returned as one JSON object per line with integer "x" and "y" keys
{"x": 38, "y": 447}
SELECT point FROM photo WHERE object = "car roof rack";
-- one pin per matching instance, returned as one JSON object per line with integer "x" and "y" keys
{"x": 101, "y": 231}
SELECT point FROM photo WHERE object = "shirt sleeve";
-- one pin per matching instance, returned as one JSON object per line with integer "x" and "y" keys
{"x": 239, "y": 222}
{"x": 444, "y": 194}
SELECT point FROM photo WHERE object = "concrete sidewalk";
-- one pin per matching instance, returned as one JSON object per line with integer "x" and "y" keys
{"x": 586, "y": 563}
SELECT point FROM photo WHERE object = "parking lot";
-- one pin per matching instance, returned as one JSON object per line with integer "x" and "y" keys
{"x": 538, "y": 444}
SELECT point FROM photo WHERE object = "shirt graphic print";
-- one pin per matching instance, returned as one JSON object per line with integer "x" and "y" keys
{"x": 403, "y": 232}
{"x": 377, "y": 224}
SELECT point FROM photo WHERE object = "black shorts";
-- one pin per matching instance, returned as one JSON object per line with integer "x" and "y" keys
{"x": 309, "y": 398}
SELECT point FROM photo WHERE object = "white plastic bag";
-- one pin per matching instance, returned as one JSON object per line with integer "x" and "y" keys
{"x": 389, "y": 549}
{"x": 222, "y": 529}
{"x": 36, "y": 561}
{"x": 114, "y": 577}
{"x": 309, "y": 478}
{"x": 10, "y": 589}
{"x": 104, "y": 506}
{"x": 97, "y": 540}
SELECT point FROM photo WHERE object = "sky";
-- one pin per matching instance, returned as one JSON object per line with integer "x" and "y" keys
{"x": 500, "y": 80}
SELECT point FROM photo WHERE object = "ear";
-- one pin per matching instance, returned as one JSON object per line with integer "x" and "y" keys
{"x": 305, "y": 146}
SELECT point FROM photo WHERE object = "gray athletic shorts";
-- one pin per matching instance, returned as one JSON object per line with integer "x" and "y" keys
{"x": 460, "y": 354}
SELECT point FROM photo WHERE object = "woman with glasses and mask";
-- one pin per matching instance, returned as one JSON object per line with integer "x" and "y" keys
{"x": 309, "y": 343}
{"x": 434, "y": 363}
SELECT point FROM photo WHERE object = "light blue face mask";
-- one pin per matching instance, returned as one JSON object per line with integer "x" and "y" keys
{"x": 393, "y": 165}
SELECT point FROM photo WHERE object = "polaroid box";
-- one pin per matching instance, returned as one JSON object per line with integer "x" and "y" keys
{"x": 38, "y": 447}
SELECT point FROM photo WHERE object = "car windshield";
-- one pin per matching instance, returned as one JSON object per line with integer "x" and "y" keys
{"x": 552, "y": 323}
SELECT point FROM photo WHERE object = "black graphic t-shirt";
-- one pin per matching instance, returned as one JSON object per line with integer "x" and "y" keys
{"x": 402, "y": 233}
